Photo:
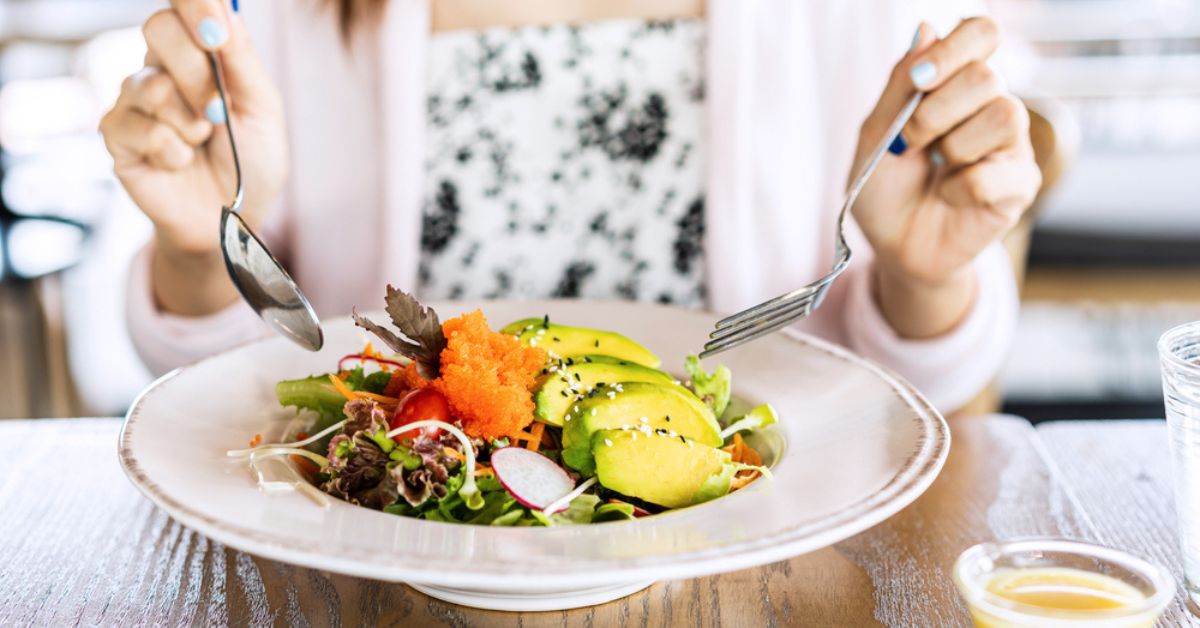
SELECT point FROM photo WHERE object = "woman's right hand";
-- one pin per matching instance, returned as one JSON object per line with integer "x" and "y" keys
{"x": 171, "y": 152}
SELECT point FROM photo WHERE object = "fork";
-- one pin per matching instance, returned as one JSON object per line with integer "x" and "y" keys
{"x": 773, "y": 314}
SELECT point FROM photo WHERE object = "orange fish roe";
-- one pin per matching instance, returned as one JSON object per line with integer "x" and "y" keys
{"x": 487, "y": 377}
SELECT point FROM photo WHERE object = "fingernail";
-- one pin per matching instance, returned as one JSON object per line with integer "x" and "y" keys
{"x": 215, "y": 110}
{"x": 211, "y": 32}
{"x": 916, "y": 39}
{"x": 935, "y": 158}
{"x": 235, "y": 6}
{"x": 898, "y": 145}
{"x": 923, "y": 74}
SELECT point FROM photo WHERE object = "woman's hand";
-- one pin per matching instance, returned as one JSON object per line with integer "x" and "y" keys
{"x": 958, "y": 179}
{"x": 171, "y": 152}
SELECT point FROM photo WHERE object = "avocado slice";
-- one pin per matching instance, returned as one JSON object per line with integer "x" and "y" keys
{"x": 566, "y": 381}
{"x": 664, "y": 470}
{"x": 671, "y": 409}
{"x": 570, "y": 342}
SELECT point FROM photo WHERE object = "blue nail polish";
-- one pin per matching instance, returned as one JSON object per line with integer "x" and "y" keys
{"x": 916, "y": 38}
{"x": 215, "y": 111}
{"x": 235, "y": 6}
{"x": 211, "y": 32}
{"x": 936, "y": 158}
{"x": 923, "y": 74}
{"x": 898, "y": 145}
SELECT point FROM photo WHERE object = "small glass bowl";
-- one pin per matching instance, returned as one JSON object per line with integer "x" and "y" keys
{"x": 977, "y": 565}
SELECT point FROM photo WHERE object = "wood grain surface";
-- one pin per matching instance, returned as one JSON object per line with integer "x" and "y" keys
{"x": 80, "y": 545}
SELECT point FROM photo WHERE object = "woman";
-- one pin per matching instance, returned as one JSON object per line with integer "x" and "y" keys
{"x": 671, "y": 150}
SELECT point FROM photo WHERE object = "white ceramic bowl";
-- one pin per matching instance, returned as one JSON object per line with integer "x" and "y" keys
{"x": 855, "y": 444}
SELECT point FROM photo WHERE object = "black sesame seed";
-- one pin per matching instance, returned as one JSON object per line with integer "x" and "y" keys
{"x": 546, "y": 322}
{"x": 682, "y": 439}
{"x": 564, "y": 393}
{"x": 599, "y": 384}
{"x": 597, "y": 343}
{"x": 556, "y": 338}
{"x": 668, "y": 418}
{"x": 570, "y": 361}
{"x": 577, "y": 378}
{"x": 587, "y": 359}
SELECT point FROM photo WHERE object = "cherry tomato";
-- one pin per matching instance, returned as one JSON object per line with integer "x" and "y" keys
{"x": 424, "y": 404}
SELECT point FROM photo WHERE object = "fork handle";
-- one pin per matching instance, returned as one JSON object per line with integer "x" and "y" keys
{"x": 876, "y": 155}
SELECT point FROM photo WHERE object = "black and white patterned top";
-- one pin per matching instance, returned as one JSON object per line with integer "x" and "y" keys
{"x": 566, "y": 161}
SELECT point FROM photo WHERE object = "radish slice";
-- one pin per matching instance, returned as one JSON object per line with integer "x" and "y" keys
{"x": 532, "y": 478}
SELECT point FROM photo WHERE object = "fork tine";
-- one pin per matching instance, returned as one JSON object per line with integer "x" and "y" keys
{"x": 798, "y": 306}
{"x": 799, "y": 309}
{"x": 714, "y": 347}
{"x": 769, "y": 305}
{"x": 799, "y": 298}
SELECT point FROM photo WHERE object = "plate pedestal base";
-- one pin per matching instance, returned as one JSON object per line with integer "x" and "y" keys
{"x": 547, "y": 601}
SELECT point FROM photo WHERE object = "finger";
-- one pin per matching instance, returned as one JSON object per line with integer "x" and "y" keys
{"x": 133, "y": 137}
{"x": 206, "y": 21}
{"x": 1004, "y": 183}
{"x": 895, "y": 94}
{"x": 168, "y": 42}
{"x": 966, "y": 93}
{"x": 153, "y": 93}
{"x": 1002, "y": 123}
{"x": 974, "y": 39}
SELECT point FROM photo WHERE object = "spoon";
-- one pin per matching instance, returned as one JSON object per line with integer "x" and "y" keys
{"x": 258, "y": 276}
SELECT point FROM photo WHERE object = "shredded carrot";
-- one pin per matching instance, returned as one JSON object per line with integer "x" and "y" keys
{"x": 341, "y": 387}
{"x": 344, "y": 375}
{"x": 378, "y": 398}
{"x": 741, "y": 452}
{"x": 482, "y": 470}
{"x": 301, "y": 435}
{"x": 535, "y": 436}
{"x": 453, "y": 453}
{"x": 308, "y": 467}
{"x": 741, "y": 480}
{"x": 547, "y": 439}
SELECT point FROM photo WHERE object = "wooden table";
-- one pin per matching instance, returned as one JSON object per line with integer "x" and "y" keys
{"x": 78, "y": 544}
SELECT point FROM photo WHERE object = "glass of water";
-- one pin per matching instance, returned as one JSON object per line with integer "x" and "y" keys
{"x": 1179, "y": 354}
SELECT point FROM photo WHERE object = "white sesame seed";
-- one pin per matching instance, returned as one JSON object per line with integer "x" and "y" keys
{"x": 643, "y": 419}
{"x": 635, "y": 436}
{"x": 608, "y": 442}
{"x": 541, "y": 332}
{"x": 593, "y": 412}
{"x": 676, "y": 382}
{"x": 673, "y": 434}
{"x": 612, "y": 395}
{"x": 690, "y": 445}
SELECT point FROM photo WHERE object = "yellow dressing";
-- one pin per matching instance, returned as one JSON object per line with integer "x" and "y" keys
{"x": 1051, "y": 591}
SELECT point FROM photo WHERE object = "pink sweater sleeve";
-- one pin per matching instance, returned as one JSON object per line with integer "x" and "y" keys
{"x": 165, "y": 341}
{"x": 951, "y": 369}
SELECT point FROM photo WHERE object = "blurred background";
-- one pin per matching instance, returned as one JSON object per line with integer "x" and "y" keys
{"x": 1110, "y": 255}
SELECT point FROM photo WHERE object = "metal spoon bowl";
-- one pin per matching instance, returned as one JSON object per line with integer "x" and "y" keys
{"x": 258, "y": 276}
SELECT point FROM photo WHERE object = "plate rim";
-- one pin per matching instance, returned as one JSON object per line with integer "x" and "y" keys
{"x": 911, "y": 480}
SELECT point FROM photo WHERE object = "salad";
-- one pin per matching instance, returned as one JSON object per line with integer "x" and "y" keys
{"x": 535, "y": 424}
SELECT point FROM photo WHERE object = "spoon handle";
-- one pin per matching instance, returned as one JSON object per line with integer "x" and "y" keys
{"x": 219, "y": 77}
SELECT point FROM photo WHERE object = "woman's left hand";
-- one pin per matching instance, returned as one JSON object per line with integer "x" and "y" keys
{"x": 958, "y": 179}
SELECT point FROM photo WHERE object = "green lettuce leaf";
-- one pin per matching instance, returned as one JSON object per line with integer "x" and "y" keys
{"x": 761, "y": 416}
{"x": 714, "y": 389}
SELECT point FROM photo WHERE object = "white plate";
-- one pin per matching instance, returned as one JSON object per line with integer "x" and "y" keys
{"x": 858, "y": 444}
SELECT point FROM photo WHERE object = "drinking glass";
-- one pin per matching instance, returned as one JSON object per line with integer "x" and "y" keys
{"x": 1179, "y": 354}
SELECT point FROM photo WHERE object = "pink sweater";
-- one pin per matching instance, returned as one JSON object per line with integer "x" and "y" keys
{"x": 789, "y": 82}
